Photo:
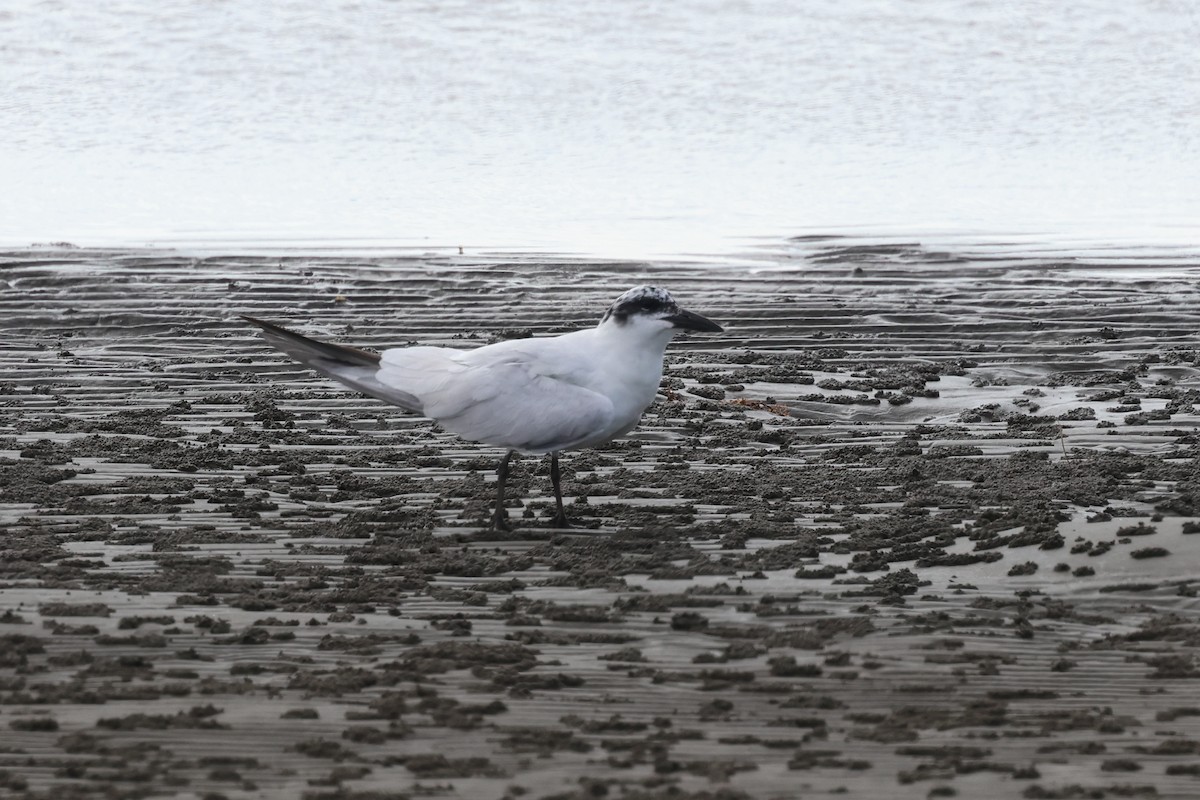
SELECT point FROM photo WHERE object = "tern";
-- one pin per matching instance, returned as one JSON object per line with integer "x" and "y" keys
{"x": 538, "y": 396}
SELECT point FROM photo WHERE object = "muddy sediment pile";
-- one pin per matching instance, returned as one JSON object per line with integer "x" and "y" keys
{"x": 919, "y": 523}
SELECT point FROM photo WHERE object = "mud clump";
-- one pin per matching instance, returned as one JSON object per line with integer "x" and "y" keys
{"x": 878, "y": 517}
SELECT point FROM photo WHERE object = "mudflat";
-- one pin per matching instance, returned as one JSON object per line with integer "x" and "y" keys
{"x": 920, "y": 524}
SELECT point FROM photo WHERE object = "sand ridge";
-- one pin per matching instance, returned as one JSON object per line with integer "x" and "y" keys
{"x": 919, "y": 523}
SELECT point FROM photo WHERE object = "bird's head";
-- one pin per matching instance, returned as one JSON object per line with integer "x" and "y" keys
{"x": 652, "y": 310}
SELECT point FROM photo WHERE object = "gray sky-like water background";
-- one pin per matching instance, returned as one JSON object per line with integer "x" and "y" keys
{"x": 609, "y": 128}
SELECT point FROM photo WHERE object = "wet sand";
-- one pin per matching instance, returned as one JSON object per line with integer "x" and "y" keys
{"x": 919, "y": 525}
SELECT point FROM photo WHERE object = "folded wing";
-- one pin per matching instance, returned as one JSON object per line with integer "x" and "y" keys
{"x": 507, "y": 397}
{"x": 508, "y": 403}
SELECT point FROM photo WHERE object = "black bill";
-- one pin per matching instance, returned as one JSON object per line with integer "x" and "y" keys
{"x": 689, "y": 321}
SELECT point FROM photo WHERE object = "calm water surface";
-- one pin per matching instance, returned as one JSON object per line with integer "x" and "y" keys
{"x": 619, "y": 127}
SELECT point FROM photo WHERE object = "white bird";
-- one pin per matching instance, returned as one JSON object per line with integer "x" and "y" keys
{"x": 540, "y": 395}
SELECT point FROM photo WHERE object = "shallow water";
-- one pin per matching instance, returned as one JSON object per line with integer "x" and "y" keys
{"x": 607, "y": 128}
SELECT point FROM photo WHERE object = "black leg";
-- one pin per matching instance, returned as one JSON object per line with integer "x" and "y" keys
{"x": 560, "y": 516}
{"x": 500, "y": 516}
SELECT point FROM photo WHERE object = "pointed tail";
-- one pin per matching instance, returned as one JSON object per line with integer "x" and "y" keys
{"x": 349, "y": 365}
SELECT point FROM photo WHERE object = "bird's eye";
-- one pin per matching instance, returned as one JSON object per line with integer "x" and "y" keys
{"x": 647, "y": 304}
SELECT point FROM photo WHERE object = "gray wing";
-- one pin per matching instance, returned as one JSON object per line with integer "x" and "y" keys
{"x": 506, "y": 404}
